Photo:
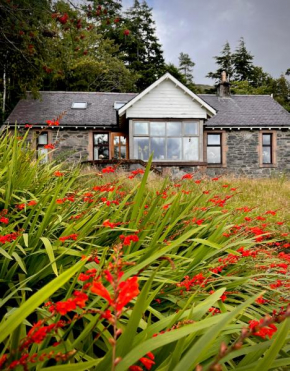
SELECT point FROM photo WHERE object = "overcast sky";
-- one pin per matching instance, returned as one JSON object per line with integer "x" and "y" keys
{"x": 201, "y": 28}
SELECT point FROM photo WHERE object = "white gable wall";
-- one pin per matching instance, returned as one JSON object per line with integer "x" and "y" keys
{"x": 166, "y": 101}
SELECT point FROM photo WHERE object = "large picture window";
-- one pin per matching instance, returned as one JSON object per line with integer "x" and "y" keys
{"x": 171, "y": 141}
{"x": 101, "y": 146}
{"x": 214, "y": 148}
{"x": 267, "y": 149}
{"x": 42, "y": 141}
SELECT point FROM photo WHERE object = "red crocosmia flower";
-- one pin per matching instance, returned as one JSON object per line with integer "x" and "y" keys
{"x": 107, "y": 223}
{"x": 108, "y": 169}
{"x": 148, "y": 363}
{"x": 128, "y": 290}
{"x": 28, "y": 126}
{"x": 261, "y": 300}
{"x": 259, "y": 329}
{"x": 126, "y": 32}
{"x": 20, "y": 206}
{"x": 3, "y": 359}
{"x": 80, "y": 298}
{"x": 197, "y": 181}
{"x": 83, "y": 277}
{"x": 279, "y": 223}
{"x": 4, "y": 220}
{"x": 233, "y": 189}
{"x": 135, "y": 368}
{"x": 52, "y": 123}
{"x": 270, "y": 212}
{"x": 215, "y": 179}
{"x": 187, "y": 176}
{"x": 32, "y": 203}
{"x": 49, "y": 146}
{"x": 107, "y": 314}
{"x": 247, "y": 219}
{"x": 108, "y": 276}
{"x": 62, "y": 307}
{"x": 73, "y": 236}
{"x": 58, "y": 174}
{"x": 99, "y": 289}
{"x": 225, "y": 186}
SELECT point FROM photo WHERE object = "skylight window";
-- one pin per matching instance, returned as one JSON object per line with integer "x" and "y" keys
{"x": 118, "y": 105}
{"x": 79, "y": 105}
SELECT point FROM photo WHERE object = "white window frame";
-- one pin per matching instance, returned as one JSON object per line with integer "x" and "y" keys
{"x": 199, "y": 135}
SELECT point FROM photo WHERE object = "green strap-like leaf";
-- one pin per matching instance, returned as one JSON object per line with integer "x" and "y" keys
{"x": 38, "y": 298}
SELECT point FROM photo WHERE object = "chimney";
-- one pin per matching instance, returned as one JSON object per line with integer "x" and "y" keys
{"x": 223, "y": 88}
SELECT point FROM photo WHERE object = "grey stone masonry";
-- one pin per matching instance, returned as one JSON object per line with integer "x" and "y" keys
{"x": 243, "y": 152}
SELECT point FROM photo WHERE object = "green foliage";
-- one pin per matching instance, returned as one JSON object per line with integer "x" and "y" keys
{"x": 185, "y": 66}
{"x": 182, "y": 231}
{"x": 225, "y": 63}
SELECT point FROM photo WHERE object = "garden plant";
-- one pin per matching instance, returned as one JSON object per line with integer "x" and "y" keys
{"x": 108, "y": 270}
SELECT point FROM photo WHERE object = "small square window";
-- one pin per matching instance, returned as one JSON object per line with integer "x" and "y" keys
{"x": 214, "y": 149}
{"x": 79, "y": 105}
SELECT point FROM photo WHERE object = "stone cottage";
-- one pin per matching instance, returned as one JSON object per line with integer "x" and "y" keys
{"x": 216, "y": 134}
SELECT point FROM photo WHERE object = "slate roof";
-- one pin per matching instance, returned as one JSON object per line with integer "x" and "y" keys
{"x": 99, "y": 112}
{"x": 246, "y": 111}
{"x": 235, "y": 111}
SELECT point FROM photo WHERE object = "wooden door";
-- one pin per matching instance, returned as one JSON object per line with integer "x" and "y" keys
{"x": 119, "y": 146}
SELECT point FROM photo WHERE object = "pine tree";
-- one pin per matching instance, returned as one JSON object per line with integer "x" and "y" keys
{"x": 243, "y": 63}
{"x": 139, "y": 45}
{"x": 225, "y": 63}
{"x": 185, "y": 66}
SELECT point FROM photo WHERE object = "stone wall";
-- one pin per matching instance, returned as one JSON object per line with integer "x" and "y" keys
{"x": 72, "y": 145}
{"x": 244, "y": 150}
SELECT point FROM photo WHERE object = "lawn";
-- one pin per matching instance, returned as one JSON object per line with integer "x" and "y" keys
{"x": 108, "y": 270}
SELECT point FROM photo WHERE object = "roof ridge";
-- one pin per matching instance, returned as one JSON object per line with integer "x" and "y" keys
{"x": 80, "y": 92}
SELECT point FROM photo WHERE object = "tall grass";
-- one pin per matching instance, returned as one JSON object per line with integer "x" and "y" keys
{"x": 209, "y": 258}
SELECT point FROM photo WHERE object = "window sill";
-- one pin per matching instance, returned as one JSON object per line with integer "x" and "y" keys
{"x": 268, "y": 165}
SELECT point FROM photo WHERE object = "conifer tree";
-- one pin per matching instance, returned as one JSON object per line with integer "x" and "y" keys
{"x": 225, "y": 63}
{"x": 243, "y": 63}
{"x": 185, "y": 66}
{"x": 140, "y": 46}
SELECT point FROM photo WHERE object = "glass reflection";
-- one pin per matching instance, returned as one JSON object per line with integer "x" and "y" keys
{"x": 174, "y": 148}
{"x": 266, "y": 155}
{"x": 190, "y": 149}
{"x": 141, "y": 128}
{"x": 141, "y": 148}
{"x": 191, "y": 128}
{"x": 174, "y": 128}
{"x": 214, "y": 155}
{"x": 157, "y": 128}
{"x": 158, "y": 146}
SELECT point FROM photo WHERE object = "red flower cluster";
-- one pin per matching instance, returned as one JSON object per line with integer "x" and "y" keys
{"x": 198, "y": 279}
{"x": 107, "y": 223}
{"x": 9, "y": 237}
{"x": 58, "y": 174}
{"x": 146, "y": 362}
{"x": 126, "y": 32}
{"x": 187, "y": 176}
{"x": 52, "y": 123}
{"x": 126, "y": 291}
{"x": 28, "y": 126}
{"x": 135, "y": 173}
{"x": 4, "y": 220}
{"x": 49, "y": 146}
{"x": 108, "y": 169}
{"x": 63, "y": 18}
{"x": 259, "y": 329}
{"x": 127, "y": 239}
{"x": 63, "y": 307}
{"x": 73, "y": 236}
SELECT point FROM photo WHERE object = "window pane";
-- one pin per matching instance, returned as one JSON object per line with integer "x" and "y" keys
{"x": 174, "y": 128}
{"x": 141, "y": 148}
{"x": 266, "y": 155}
{"x": 267, "y": 139}
{"x": 191, "y": 128}
{"x": 123, "y": 140}
{"x": 190, "y": 149}
{"x": 123, "y": 152}
{"x": 101, "y": 138}
{"x": 141, "y": 128}
{"x": 101, "y": 153}
{"x": 174, "y": 148}
{"x": 42, "y": 138}
{"x": 43, "y": 152}
{"x": 213, "y": 139}
{"x": 157, "y": 128}
{"x": 158, "y": 146}
{"x": 214, "y": 155}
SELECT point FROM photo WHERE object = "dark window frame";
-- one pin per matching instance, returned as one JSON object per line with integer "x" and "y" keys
{"x": 215, "y": 145}
{"x": 270, "y": 145}
{"x": 41, "y": 145}
{"x": 102, "y": 145}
